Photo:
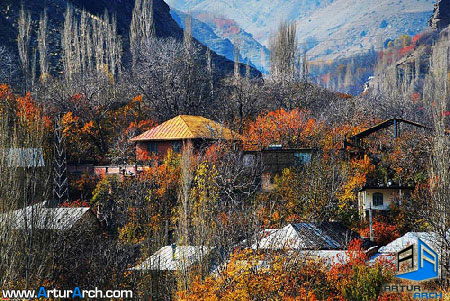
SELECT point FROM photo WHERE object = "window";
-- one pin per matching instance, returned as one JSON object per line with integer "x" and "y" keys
{"x": 377, "y": 199}
{"x": 302, "y": 158}
{"x": 176, "y": 146}
{"x": 152, "y": 147}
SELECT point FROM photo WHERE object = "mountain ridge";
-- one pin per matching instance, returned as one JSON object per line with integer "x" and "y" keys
{"x": 328, "y": 29}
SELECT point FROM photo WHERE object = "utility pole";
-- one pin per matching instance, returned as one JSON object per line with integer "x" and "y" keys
{"x": 395, "y": 128}
{"x": 61, "y": 187}
{"x": 370, "y": 223}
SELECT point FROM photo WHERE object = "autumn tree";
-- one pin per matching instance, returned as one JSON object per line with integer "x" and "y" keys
{"x": 90, "y": 45}
{"x": 8, "y": 66}
{"x": 43, "y": 46}
{"x": 248, "y": 276}
{"x": 288, "y": 128}
{"x": 142, "y": 26}
{"x": 171, "y": 82}
{"x": 436, "y": 94}
{"x": 24, "y": 182}
{"x": 309, "y": 192}
{"x": 23, "y": 44}
{"x": 283, "y": 47}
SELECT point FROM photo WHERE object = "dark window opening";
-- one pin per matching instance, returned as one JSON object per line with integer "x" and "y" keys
{"x": 152, "y": 147}
{"x": 378, "y": 199}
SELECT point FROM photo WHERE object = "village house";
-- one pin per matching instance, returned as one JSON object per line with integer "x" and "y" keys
{"x": 377, "y": 195}
{"x": 355, "y": 146}
{"x": 327, "y": 241}
{"x": 379, "y": 199}
{"x": 41, "y": 217}
{"x": 306, "y": 236}
{"x": 168, "y": 262}
{"x": 178, "y": 131}
{"x": 173, "y": 258}
{"x": 274, "y": 159}
{"x": 389, "y": 252}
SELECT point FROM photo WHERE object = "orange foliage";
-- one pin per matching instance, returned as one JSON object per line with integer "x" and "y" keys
{"x": 416, "y": 37}
{"x": 383, "y": 231}
{"x": 246, "y": 277}
{"x": 164, "y": 178}
{"x": 25, "y": 108}
{"x": 137, "y": 98}
{"x": 289, "y": 128}
{"x": 344, "y": 95}
{"x": 249, "y": 276}
{"x": 333, "y": 137}
{"x": 217, "y": 151}
{"x": 5, "y": 96}
{"x": 406, "y": 50}
{"x": 75, "y": 204}
{"x": 80, "y": 136}
{"x": 165, "y": 174}
{"x": 352, "y": 277}
{"x": 141, "y": 126}
{"x": 353, "y": 257}
{"x": 81, "y": 187}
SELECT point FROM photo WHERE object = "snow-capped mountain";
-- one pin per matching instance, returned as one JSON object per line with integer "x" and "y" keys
{"x": 328, "y": 28}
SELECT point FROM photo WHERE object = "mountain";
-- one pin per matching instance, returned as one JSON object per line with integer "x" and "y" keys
{"x": 164, "y": 24}
{"x": 220, "y": 34}
{"x": 327, "y": 28}
{"x": 205, "y": 35}
{"x": 441, "y": 15}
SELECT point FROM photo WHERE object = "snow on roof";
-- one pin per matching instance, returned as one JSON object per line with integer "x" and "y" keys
{"x": 406, "y": 240}
{"x": 389, "y": 252}
{"x": 308, "y": 236}
{"x": 173, "y": 258}
{"x": 43, "y": 218}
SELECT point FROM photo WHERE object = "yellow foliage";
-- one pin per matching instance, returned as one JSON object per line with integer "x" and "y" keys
{"x": 357, "y": 171}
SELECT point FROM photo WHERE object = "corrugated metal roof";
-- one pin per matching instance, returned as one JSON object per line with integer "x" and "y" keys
{"x": 165, "y": 259}
{"x": 188, "y": 127}
{"x": 43, "y": 218}
{"x": 308, "y": 236}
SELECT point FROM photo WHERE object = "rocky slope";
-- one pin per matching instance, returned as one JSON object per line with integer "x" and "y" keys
{"x": 164, "y": 24}
{"x": 220, "y": 34}
{"x": 441, "y": 15}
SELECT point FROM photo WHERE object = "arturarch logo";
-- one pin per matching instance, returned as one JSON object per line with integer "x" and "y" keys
{"x": 421, "y": 261}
